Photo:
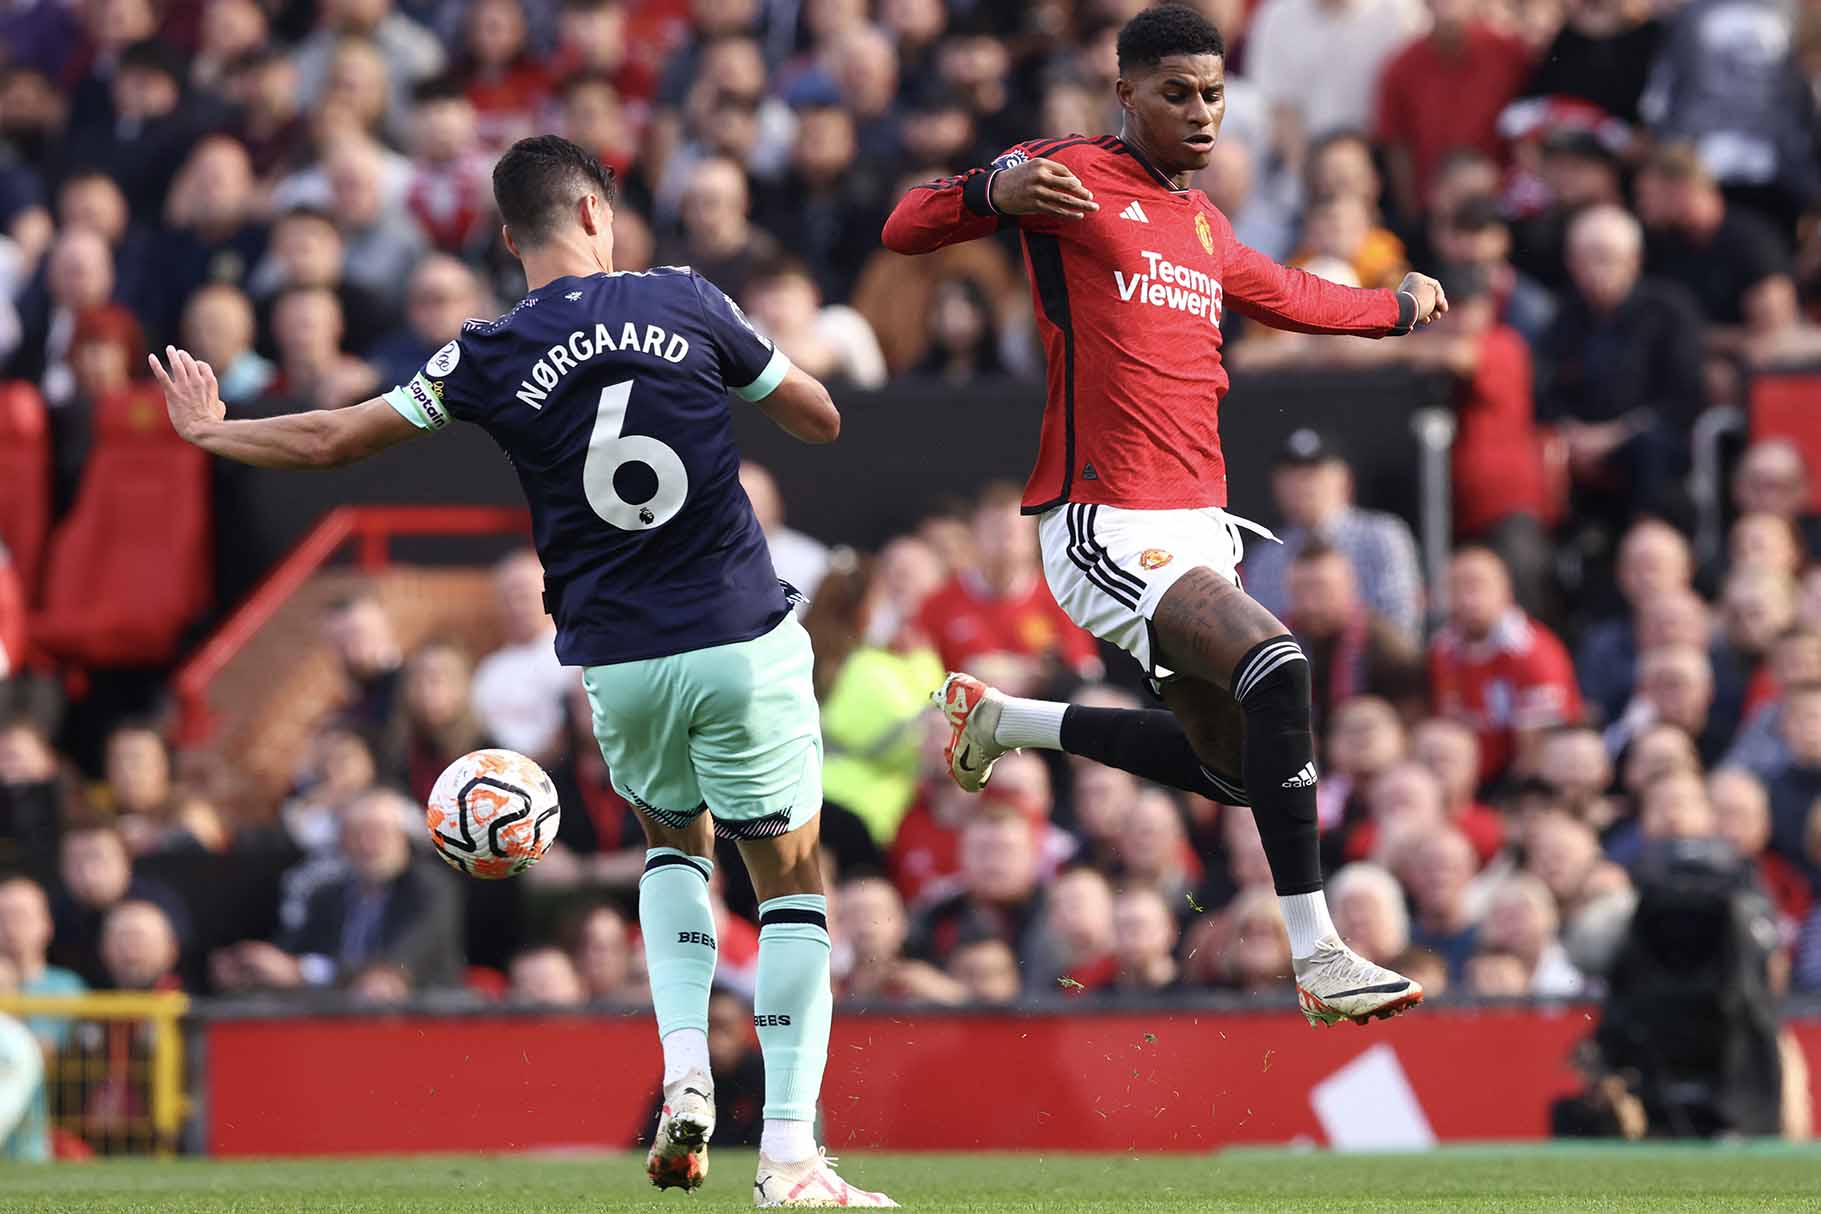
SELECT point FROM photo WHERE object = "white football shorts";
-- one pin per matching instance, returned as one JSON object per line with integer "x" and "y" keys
{"x": 1109, "y": 567}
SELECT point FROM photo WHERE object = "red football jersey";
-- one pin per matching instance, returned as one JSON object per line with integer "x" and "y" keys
{"x": 1518, "y": 679}
{"x": 1129, "y": 302}
{"x": 964, "y": 621}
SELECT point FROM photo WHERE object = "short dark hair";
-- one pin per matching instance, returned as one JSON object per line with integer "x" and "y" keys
{"x": 541, "y": 178}
{"x": 1167, "y": 29}
{"x": 444, "y": 87}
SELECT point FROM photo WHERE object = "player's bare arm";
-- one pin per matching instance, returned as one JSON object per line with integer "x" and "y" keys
{"x": 802, "y": 408}
{"x": 321, "y": 438}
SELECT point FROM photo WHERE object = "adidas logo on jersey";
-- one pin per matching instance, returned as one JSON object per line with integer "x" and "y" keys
{"x": 1302, "y": 779}
{"x": 1135, "y": 213}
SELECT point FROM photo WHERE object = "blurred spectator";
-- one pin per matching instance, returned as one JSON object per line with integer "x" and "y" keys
{"x": 1674, "y": 806}
{"x": 1601, "y": 54}
{"x": 1144, "y": 943}
{"x": 441, "y": 295}
{"x": 1654, "y": 560}
{"x": 385, "y": 907}
{"x": 1153, "y": 849}
{"x": 106, "y": 360}
{"x": 831, "y": 342}
{"x": 1445, "y": 91}
{"x": 594, "y": 114}
{"x": 739, "y": 1070}
{"x": 1621, "y": 374}
{"x": 229, "y": 30}
{"x": 1771, "y": 478}
{"x": 1344, "y": 228}
{"x": 1493, "y": 974}
{"x": 79, "y": 276}
{"x": 717, "y": 238}
{"x": 874, "y": 700}
{"x": 212, "y": 233}
{"x": 1727, "y": 83}
{"x": 1675, "y": 685}
{"x": 826, "y": 208}
{"x": 871, "y": 929}
{"x": 365, "y": 647}
{"x": 601, "y": 948}
{"x": 151, "y": 127}
{"x": 1731, "y": 261}
{"x": 1766, "y": 541}
{"x": 139, "y": 949}
{"x": 306, "y": 250}
{"x": 338, "y": 767}
{"x": 506, "y": 83}
{"x": 1351, "y": 650}
{"x": 1256, "y": 958}
{"x": 998, "y": 898}
{"x": 1521, "y": 920}
{"x": 799, "y": 559}
{"x": 987, "y": 969}
{"x": 262, "y": 85}
{"x": 218, "y": 328}
{"x": 925, "y": 858}
{"x": 434, "y": 723}
{"x": 1741, "y": 808}
{"x": 1796, "y": 788}
{"x": 1365, "y": 738}
{"x": 1422, "y": 966}
{"x": 1369, "y": 912}
{"x": 1658, "y": 750}
{"x": 31, "y": 797}
{"x": 1440, "y": 865}
{"x": 382, "y": 243}
{"x": 450, "y": 194}
{"x": 1451, "y": 752}
{"x": 25, "y": 940}
{"x": 1758, "y": 747}
{"x": 1078, "y": 931}
{"x": 519, "y": 690}
{"x": 411, "y": 53}
{"x": 1313, "y": 488}
{"x": 1403, "y": 799}
{"x": 95, "y": 878}
{"x": 1757, "y": 605}
{"x": 1497, "y": 670}
{"x": 545, "y": 977}
{"x": 314, "y": 371}
{"x": 998, "y": 619}
{"x": 962, "y": 344}
{"x": 1319, "y": 63}
{"x": 1473, "y": 235}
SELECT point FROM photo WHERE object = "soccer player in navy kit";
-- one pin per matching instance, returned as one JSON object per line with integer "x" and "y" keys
{"x": 1131, "y": 272}
{"x": 608, "y": 392}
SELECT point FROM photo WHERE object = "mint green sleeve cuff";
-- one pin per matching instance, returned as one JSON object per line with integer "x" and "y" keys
{"x": 769, "y": 378}
{"x": 416, "y": 402}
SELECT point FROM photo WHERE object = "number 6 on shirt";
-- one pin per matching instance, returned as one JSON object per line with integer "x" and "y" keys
{"x": 609, "y": 451}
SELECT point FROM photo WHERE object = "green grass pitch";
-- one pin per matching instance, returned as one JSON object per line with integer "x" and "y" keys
{"x": 1513, "y": 1180}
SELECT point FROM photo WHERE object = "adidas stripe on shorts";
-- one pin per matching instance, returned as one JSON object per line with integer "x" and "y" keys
{"x": 1109, "y": 567}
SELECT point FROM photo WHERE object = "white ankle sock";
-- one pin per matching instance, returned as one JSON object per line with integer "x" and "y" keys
{"x": 1030, "y": 723}
{"x": 1306, "y": 915}
{"x": 788, "y": 1141}
{"x": 685, "y": 1050}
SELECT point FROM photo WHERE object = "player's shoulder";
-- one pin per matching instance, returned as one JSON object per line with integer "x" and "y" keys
{"x": 1074, "y": 151}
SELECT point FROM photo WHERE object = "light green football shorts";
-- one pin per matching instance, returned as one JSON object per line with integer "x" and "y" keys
{"x": 733, "y": 729}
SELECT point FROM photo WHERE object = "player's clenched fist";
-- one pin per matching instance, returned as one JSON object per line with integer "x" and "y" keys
{"x": 1431, "y": 301}
{"x": 1040, "y": 187}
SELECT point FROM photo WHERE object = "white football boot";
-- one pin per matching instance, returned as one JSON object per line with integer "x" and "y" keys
{"x": 809, "y": 1182}
{"x": 678, "y": 1158}
{"x": 972, "y": 711}
{"x": 1334, "y": 983}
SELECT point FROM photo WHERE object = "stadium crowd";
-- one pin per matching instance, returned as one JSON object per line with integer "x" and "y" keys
{"x": 1618, "y": 195}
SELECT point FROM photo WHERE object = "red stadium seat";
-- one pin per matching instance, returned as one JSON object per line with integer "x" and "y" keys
{"x": 25, "y": 479}
{"x": 1789, "y": 406}
{"x": 130, "y": 567}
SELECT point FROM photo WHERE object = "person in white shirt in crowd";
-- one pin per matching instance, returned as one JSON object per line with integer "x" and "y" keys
{"x": 520, "y": 689}
{"x": 799, "y": 559}
{"x": 833, "y": 342}
{"x": 1318, "y": 61}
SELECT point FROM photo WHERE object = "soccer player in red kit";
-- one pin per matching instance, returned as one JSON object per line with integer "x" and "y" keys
{"x": 1131, "y": 272}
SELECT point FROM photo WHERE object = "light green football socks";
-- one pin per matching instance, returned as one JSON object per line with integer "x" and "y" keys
{"x": 677, "y": 922}
{"x": 792, "y": 1009}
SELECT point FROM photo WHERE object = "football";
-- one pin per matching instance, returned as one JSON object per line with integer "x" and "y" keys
{"x": 493, "y": 813}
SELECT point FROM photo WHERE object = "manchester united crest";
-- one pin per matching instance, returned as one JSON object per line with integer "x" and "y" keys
{"x": 1207, "y": 237}
{"x": 1157, "y": 558}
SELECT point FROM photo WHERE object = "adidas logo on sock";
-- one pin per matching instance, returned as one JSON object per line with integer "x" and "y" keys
{"x": 1135, "y": 213}
{"x": 1302, "y": 779}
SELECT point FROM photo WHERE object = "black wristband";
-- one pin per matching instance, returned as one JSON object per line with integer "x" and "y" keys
{"x": 1406, "y": 313}
{"x": 976, "y": 192}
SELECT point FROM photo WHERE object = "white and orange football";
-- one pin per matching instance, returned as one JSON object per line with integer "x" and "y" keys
{"x": 493, "y": 813}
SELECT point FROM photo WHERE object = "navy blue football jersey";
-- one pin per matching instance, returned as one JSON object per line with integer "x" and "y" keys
{"x": 609, "y": 395}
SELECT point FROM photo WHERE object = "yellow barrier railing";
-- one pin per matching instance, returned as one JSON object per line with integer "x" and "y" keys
{"x": 115, "y": 1078}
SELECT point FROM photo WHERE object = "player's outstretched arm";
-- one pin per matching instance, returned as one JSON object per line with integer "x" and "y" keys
{"x": 322, "y": 438}
{"x": 956, "y": 209}
{"x": 1287, "y": 298}
{"x": 802, "y": 408}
